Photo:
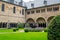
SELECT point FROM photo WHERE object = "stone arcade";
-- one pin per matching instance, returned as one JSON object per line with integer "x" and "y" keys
{"x": 11, "y": 15}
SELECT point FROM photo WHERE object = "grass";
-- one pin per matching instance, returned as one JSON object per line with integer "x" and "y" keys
{"x": 24, "y": 36}
{"x": 6, "y": 30}
{"x": 8, "y": 34}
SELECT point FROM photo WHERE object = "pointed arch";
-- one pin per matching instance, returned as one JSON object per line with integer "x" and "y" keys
{"x": 50, "y": 18}
{"x": 30, "y": 20}
{"x": 41, "y": 22}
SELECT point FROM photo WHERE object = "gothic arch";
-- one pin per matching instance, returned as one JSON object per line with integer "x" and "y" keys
{"x": 50, "y": 18}
{"x": 30, "y": 20}
{"x": 41, "y": 22}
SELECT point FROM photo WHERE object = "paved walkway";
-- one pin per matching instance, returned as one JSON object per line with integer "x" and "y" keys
{"x": 21, "y": 30}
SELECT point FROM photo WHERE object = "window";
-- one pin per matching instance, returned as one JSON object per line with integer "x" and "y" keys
{"x": 32, "y": 5}
{"x": 42, "y": 10}
{"x": 28, "y": 12}
{"x": 32, "y": 12}
{"x": 37, "y": 11}
{"x": 55, "y": 8}
{"x": 49, "y": 9}
{"x": 22, "y": 11}
{"x": 14, "y": 9}
{"x": 12, "y": 25}
{"x": 3, "y": 7}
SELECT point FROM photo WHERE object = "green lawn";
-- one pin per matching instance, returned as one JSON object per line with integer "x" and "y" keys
{"x": 6, "y": 30}
{"x": 24, "y": 36}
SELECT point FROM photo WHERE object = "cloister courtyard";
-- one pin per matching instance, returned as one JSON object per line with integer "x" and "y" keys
{"x": 19, "y": 23}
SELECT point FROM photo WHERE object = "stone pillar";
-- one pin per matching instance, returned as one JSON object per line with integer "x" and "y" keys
{"x": 37, "y": 25}
{"x": 46, "y": 24}
{"x": 8, "y": 24}
{"x": 1, "y": 25}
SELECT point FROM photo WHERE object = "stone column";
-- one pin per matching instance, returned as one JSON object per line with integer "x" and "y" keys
{"x": 46, "y": 24}
{"x": 8, "y": 26}
{"x": 1, "y": 25}
{"x": 37, "y": 25}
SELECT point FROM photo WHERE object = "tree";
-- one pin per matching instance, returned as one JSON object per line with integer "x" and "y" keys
{"x": 54, "y": 29}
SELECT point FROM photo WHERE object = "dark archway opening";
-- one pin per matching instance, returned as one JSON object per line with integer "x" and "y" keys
{"x": 3, "y": 25}
{"x": 41, "y": 22}
{"x": 31, "y": 22}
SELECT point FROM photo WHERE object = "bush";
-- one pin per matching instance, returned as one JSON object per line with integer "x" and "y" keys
{"x": 37, "y": 30}
{"x": 16, "y": 29}
{"x": 20, "y": 25}
{"x": 46, "y": 30}
{"x": 26, "y": 30}
{"x": 33, "y": 30}
{"x": 54, "y": 29}
{"x": 27, "y": 25}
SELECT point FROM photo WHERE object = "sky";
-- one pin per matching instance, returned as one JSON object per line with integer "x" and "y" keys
{"x": 27, "y": 0}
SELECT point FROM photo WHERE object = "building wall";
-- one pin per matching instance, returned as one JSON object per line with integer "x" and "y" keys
{"x": 43, "y": 16}
{"x": 9, "y": 16}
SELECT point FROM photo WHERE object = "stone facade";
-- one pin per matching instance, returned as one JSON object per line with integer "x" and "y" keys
{"x": 42, "y": 15}
{"x": 11, "y": 15}
{"x": 8, "y": 16}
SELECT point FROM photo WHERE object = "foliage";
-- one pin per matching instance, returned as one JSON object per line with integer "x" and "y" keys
{"x": 20, "y": 25}
{"x": 27, "y": 25}
{"x": 33, "y": 30}
{"x": 45, "y": 29}
{"x": 54, "y": 29}
{"x": 15, "y": 29}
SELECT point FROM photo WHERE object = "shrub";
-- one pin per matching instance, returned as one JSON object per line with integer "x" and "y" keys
{"x": 46, "y": 30}
{"x": 54, "y": 29}
{"x": 33, "y": 30}
{"x": 14, "y": 30}
{"x": 37, "y": 30}
{"x": 17, "y": 29}
{"x": 27, "y": 25}
{"x": 26, "y": 30}
{"x": 20, "y": 25}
